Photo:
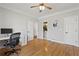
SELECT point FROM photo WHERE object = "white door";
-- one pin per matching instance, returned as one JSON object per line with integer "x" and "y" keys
{"x": 71, "y": 30}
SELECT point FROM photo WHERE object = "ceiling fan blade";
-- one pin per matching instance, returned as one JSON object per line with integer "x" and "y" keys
{"x": 48, "y": 7}
{"x": 33, "y": 6}
{"x": 41, "y": 4}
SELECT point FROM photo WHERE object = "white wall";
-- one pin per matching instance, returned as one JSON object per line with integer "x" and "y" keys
{"x": 52, "y": 33}
{"x": 17, "y": 21}
{"x": 71, "y": 30}
{"x": 57, "y": 34}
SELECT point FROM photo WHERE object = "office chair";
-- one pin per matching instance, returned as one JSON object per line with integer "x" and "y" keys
{"x": 13, "y": 42}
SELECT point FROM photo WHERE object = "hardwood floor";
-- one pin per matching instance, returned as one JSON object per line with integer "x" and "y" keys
{"x": 38, "y": 47}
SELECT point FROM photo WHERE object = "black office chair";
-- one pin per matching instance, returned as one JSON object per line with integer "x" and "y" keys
{"x": 13, "y": 42}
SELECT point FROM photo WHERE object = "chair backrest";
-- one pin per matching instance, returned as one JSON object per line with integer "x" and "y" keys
{"x": 14, "y": 39}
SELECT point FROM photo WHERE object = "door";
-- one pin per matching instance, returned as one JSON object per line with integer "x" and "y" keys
{"x": 71, "y": 30}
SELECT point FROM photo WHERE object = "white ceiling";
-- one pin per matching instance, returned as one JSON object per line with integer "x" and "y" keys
{"x": 34, "y": 12}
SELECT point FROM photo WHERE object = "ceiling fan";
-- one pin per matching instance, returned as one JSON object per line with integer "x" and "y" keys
{"x": 41, "y": 6}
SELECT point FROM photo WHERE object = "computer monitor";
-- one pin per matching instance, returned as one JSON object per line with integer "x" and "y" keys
{"x": 6, "y": 30}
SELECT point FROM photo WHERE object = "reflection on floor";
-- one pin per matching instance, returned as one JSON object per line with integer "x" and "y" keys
{"x": 38, "y": 47}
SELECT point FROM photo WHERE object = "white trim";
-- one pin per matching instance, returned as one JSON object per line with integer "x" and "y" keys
{"x": 18, "y": 11}
{"x": 63, "y": 43}
{"x": 57, "y": 13}
{"x": 59, "y": 42}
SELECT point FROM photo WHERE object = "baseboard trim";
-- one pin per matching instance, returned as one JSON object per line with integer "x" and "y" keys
{"x": 64, "y": 43}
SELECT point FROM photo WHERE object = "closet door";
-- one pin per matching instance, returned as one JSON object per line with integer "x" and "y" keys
{"x": 71, "y": 30}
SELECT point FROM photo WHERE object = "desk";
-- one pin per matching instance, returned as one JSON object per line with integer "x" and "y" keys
{"x": 4, "y": 38}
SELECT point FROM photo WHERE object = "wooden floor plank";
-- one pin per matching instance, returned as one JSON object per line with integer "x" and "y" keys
{"x": 47, "y": 48}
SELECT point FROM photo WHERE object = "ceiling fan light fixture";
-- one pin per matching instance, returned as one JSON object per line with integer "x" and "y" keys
{"x": 41, "y": 7}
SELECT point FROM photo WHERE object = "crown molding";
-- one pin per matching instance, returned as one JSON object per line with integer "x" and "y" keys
{"x": 18, "y": 11}
{"x": 58, "y": 13}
